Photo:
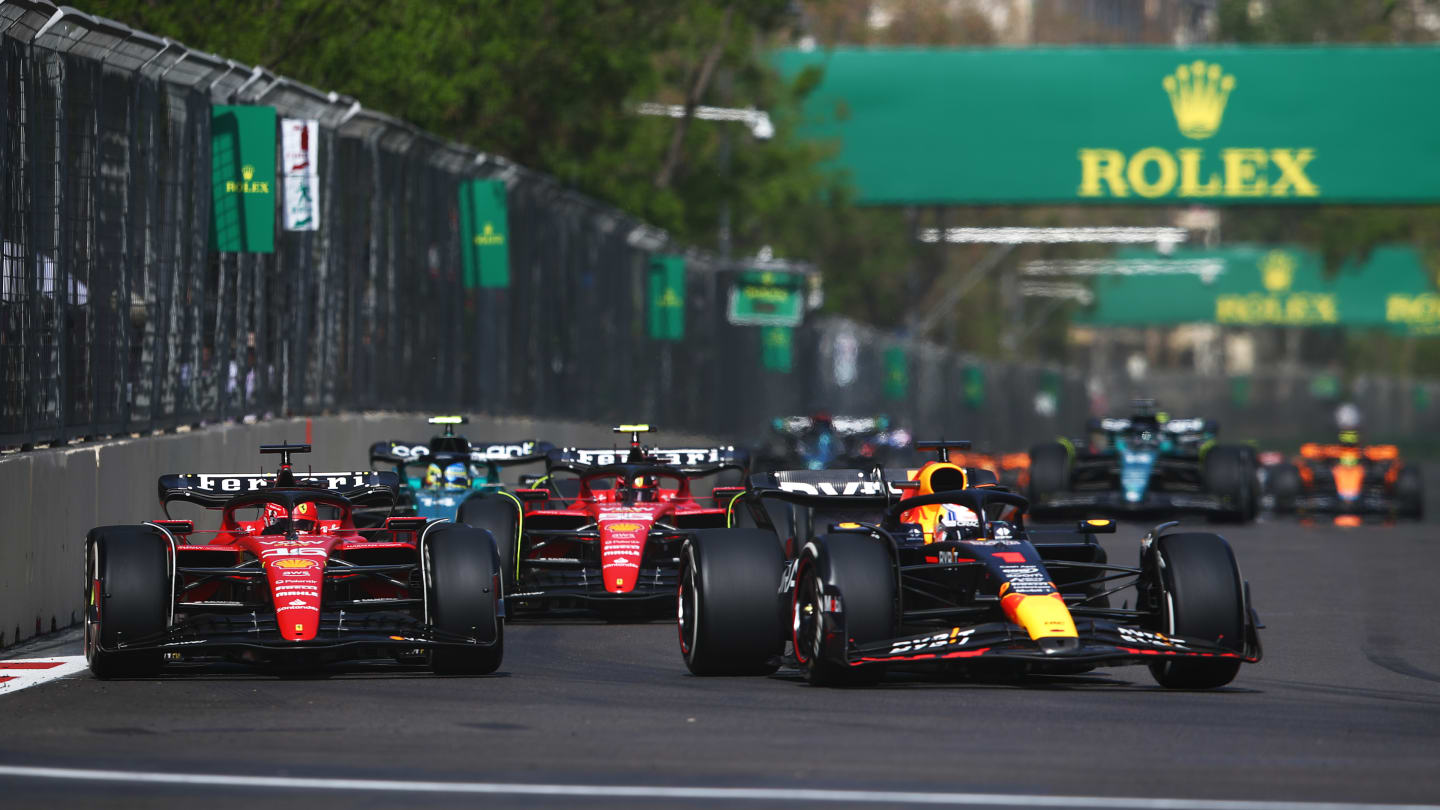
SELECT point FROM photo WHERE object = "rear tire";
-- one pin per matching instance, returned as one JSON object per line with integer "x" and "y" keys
{"x": 499, "y": 515}
{"x": 1049, "y": 471}
{"x": 861, "y": 570}
{"x": 128, "y": 593}
{"x": 1229, "y": 474}
{"x": 728, "y": 611}
{"x": 1202, "y": 597}
{"x": 464, "y": 574}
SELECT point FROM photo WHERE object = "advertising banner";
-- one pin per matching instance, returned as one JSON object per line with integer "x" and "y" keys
{"x": 897, "y": 373}
{"x": 484, "y": 233}
{"x": 667, "y": 298}
{"x": 299, "y": 155}
{"x": 242, "y": 153}
{"x": 1213, "y": 125}
{"x": 763, "y": 298}
{"x": 777, "y": 348}
{"x": 1267, "y": 285}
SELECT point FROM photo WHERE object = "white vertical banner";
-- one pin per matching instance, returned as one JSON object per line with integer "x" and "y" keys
{"x": 299, "y": 150}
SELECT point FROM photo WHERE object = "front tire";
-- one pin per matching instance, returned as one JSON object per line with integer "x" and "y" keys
{"x": 859, "y": 570}
{"x": 128, "y": 596}
{"x": 1410, "y": 493}
{"x": 464, "y": 597}
{"x": 1285, "y": 487}
{"x": 728, "y": 611}
{"x": 1202, "y": 597}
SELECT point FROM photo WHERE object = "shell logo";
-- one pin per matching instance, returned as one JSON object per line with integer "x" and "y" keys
{"x": 293, "y": 564}
{"x": 624, "y": 527}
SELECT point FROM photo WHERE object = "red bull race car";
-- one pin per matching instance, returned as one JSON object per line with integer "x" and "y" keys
{"x": 287, "y": 580}
{"x": 937, "y": 567}
{"x": 601, "y": 530}
{"x": 1348, "y": 480}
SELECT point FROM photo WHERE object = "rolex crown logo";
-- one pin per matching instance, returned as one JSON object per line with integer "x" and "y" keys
{"x": 1198, "y": 92}
{"x": 247, "y": 172}
{"x": 1277, "y": 271}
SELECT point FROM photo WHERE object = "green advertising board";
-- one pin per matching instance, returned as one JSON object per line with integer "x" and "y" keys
{"x": 762, "y": 298}
{"x": 777, "y": 348}
{"x": 973, "y": 386}
{"x": 897, "y": 373}
{"x": 1215, "y": 125}
{"x": 1254, "y": 285}
{"x": 484, "y": 234}
{"x": 242, "y": 171}
{"x": 667, "y": 297}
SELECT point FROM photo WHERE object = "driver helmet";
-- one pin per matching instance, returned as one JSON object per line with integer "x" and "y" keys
{"x": 957, "y": 522}
{"x": 646, "y": 488}
{"x": 433, "y": 476}
{"x": 305, "y": 519}
{"x": 456, "y": 476}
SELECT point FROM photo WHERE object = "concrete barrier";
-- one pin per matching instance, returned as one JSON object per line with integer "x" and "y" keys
{"x": 49, "y": 499}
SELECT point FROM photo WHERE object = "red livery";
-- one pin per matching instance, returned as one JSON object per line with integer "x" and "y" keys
{"x": 288, "y": 579}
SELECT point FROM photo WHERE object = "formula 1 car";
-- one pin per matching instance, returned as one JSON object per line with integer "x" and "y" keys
{"x": 602, "y": 529}
{"x": 1349, "y": 480}
{"x": 439, "y": 476}
{"x": 288, "y": 580}
{"x": 821, "y": 442}
{"x": 1011, "y": 470}
{"x": 898, "y": 569}
{"x": 1146, "y": 464}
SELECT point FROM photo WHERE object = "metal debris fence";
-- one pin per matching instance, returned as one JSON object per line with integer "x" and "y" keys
{"x": 116, "y": 317}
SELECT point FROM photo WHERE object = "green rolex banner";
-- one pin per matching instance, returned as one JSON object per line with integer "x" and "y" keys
{"x": 485, "y": 234}
{"x": 897, "y": 373}
{"x": 242, "y": 169}
{"x": 973, "y": 381}
{"x": 777, "y": 348}
{"x": 667, "y": 297}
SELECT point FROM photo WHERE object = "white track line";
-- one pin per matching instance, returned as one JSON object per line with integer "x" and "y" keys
{"x": 758, "y": 794}
{"x": 23, "y": 673}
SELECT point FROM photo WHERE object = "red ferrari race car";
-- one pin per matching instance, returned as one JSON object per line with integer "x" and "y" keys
{"x": 602, "y": 529}
{"x": 287, "y": 580}
{"x": 1348, "y": 480}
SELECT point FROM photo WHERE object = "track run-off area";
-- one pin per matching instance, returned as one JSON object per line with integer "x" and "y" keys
{"x": 1343, "y": 711}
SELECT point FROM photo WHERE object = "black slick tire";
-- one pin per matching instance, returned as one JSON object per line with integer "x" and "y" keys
{"x": 1202, "y": 598}
{"x": 500, "y": 515}
{"x": 1229, "y": 474}
{"x": 1285, "y": 487}
{"x": 1410, "y": 493}
{"x": 127, "y": 596}
{"x": 463, "y": 570}
{"x": 728, "y": 613}
{"x": 859, "y": 570}
{"x": 1049, "y": 471}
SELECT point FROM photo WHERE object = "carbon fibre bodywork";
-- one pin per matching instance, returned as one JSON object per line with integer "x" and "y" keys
{"x": 1036, "y": 598}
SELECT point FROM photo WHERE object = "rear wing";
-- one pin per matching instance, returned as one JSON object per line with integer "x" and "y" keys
{"x": 525, "y": 451}
{"x": 362, "y": 487}
{"x": 848, "y": 489}
{"x": 686, "y": 459}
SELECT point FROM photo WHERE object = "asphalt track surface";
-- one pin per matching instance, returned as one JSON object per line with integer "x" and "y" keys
{"x": 1345, "y": 708}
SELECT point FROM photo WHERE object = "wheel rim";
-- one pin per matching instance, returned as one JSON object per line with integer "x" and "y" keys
{"x": 92, "y": 629}
{"x": 806, "y": 620}
{"x": 688, "y": 609}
